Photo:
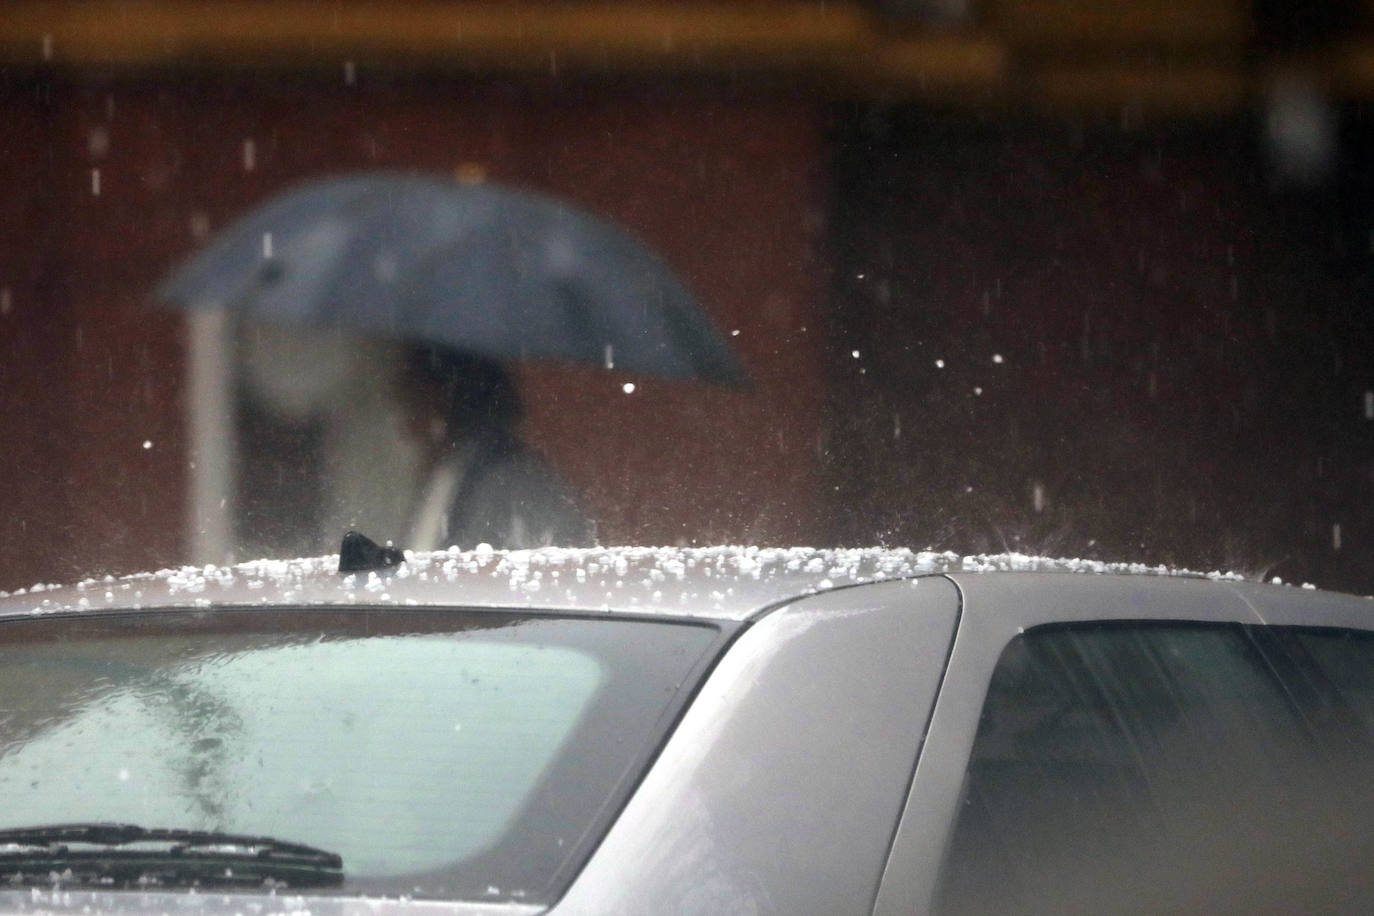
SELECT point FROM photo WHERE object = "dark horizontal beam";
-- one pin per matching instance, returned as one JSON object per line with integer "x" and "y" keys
{"x": 1056, "y": 54}
{"x": 838, "y": 43}
{"x": 150, "y": 32}
{"x": 1173, "y": 24}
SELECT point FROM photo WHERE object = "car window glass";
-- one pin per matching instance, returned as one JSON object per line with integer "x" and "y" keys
{"x": 472, "y": 735}
{"x": 1346, "y": 657}
{"x": 466, "y": 759}
{"x": 1137, "y": 766}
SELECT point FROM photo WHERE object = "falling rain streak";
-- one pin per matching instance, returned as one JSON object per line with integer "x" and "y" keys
{"x": 1369, "y": 405}
{"x": 267, "y": 244}
{"x": 95, "y": 182}
{"x": 610, "y": 356}
{"x": 250, "y": 155}
{"x": 350, "y": 73}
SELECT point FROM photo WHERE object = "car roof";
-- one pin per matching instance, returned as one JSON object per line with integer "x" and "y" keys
{"x": 730, "y": 583}
{"x": 1004, "y": 604}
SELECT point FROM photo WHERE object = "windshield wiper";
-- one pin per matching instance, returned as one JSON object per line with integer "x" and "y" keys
{"x": 126, "y": 855}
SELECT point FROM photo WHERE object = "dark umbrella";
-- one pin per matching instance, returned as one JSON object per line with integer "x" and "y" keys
{"x": 502, "y": 273}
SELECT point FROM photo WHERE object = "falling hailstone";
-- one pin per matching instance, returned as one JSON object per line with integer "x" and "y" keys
{"x": 147, "y": 444}
{"x": 628, "y": 387}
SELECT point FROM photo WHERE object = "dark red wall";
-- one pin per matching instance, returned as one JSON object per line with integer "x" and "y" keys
{"x": 727, "y": 185}
{"x": 1185, "y": 348}
{"x": 35, "y": 339}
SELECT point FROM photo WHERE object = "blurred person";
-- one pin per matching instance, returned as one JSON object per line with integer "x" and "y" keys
{"x": 479, "y": 482}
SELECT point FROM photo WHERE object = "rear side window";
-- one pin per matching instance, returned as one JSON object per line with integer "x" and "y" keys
{"x": 1346, "y": 658}
{"x": 440, "y": 754}
{"x": 1169, "y": 768}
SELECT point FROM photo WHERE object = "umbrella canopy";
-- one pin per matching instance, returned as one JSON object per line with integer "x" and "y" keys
{"x": 506, "y": 274}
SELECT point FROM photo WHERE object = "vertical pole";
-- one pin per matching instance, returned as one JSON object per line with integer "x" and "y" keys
{"x": 210, "y": 418}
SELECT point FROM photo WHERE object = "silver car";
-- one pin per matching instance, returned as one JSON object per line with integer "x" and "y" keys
{"x": 713, "y": 731}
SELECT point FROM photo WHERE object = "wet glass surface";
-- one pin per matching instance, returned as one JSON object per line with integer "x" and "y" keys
{"x": 442, "y": 755}
{"x": 1158, "y": 767}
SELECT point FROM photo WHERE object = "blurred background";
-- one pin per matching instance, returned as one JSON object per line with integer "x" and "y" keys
{"x": 1072, "y": 277}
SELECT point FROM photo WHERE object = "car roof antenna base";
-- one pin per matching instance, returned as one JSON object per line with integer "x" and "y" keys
{"x": 359, "y": 553}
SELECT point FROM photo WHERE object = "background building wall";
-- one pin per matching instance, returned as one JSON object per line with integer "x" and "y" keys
{"x": 1084, "y": 340}
{"x": 727, "y": 187}
{"x": 1136, "y": 237}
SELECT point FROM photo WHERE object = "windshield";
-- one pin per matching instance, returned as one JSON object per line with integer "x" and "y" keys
{"x": 445, "y": 754}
